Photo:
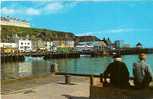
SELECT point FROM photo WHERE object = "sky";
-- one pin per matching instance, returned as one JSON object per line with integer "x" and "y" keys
{"x": 128, "y": 20}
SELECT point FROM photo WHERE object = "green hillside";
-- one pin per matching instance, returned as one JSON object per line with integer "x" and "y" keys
{"x": 9, "y": 32}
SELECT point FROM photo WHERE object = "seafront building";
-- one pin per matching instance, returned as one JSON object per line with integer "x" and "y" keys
{"x": 38, "y": 44}
{"x": 60, "y": 44}
{"x": 91, "y": 46}
{"x": 84, "y": 46}
{"x": 25, "y": 45}
{"x": 51, "y": 46}
{"x": 139, "y": 45}
{"x": 109, "y": 43}
{"x": 8, "y": 47}
{"x": 10, "y": 21}
{"x": 119, "y": 43}
{"x": 100, "y": 45}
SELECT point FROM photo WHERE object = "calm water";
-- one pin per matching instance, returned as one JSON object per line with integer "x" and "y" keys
{"x": 38, "y": 66}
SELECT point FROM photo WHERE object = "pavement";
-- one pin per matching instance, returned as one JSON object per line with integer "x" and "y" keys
{"x": 52, "y": 90}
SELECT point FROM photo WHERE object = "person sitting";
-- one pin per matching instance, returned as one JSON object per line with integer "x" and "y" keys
{"x": 118, "y": 73}
{"x": 142, "y": 72}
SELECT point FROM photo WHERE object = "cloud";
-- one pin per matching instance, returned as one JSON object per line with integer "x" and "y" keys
{"x": 32, "y": 11}
{"x": 5, "y": 10}
{"x": 53, "y": 7}
{"x": 38, "y": 8}
{"x": 11, "y": 11}
{"x": 123, "y": 30}
{"x": 116, "y": 31}
{"x": 56, "y": 7}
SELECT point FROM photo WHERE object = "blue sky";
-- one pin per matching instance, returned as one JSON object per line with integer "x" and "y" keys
{"x": 131, "y": 21}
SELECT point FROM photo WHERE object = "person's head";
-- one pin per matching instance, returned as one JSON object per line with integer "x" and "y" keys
{"x": 117, "y": 57}
{"x": 142, "y": 56}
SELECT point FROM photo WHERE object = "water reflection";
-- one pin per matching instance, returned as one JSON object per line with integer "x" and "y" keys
{"x": 83, "y": 64}
{"x": 38, "y": 66}
{"x": 24, "y": 69}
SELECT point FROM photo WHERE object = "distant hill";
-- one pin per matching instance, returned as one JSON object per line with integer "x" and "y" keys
{"x": 8, "y": 33}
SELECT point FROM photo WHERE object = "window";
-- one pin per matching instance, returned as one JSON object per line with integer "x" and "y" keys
{"x": 21, "y": 43}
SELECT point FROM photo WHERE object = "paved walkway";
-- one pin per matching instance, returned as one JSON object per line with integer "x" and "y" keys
{"x": 58, "y": 90}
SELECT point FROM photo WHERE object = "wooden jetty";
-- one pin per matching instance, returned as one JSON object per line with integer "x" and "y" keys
{"x": 122, "y": 51}
{"x": 127, "y": 51}
{"x": 61, "y": 55}
{"x": 35, "y": 54}
{"x": 95, "y": 53}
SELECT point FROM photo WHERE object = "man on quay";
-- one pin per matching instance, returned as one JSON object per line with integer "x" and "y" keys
{"x": 142, "y": 72}
{"x": 117, "y": 72}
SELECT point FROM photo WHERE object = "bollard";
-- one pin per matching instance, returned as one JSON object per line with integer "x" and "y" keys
{"x": 101, "y": 78}
{"x": 67, "y": 79}
{"x": 91, "y": 80}
{"x": 54, "y": 68}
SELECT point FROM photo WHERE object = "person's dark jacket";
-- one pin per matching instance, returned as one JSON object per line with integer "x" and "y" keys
{"x": 118, "y": 73}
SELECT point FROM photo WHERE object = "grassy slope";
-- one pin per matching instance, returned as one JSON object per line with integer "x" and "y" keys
{"x": 45, "y": 34}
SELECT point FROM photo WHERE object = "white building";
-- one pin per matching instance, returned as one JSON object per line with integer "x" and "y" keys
{"x": 25, "y": 45}
{"x": 8, "y": 45}
{"x": 84, "y": 46}
{"x": 91, "y": 46}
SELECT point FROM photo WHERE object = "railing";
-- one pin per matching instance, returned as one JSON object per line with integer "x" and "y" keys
{"x": 91, "y": 76}
{"x": 54, "y": 70}
{"x": 68, "y": 76}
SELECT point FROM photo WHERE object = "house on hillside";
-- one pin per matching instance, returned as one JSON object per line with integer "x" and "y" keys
{"x": 12, "y": 21}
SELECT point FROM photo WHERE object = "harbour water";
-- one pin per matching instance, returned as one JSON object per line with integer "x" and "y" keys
{"x": 84, "y": 65}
